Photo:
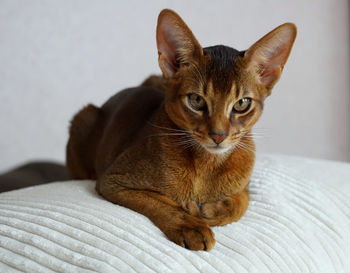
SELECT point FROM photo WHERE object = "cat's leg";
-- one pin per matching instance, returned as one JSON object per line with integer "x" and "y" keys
{"x": 221, "y": 212}
{"x": 80, "y": 146}
{"x": 179, "y": 226}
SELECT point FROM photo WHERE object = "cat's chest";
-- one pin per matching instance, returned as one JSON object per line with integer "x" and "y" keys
{"x": 206, "y": 179}
{"x": 206, "y": 185}
{"x": 212, "y": 186}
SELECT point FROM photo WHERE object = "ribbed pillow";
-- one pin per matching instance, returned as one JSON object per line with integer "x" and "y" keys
{"x": 298, "y": 221}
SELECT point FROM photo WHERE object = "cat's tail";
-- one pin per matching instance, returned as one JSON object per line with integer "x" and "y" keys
{"x": 31, "y": 174}
{"x": 81, "y": 147}
{"x": 80, "y": 157}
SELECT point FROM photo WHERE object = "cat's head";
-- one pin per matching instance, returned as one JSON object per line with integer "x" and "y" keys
{"x": 217, "y": 93}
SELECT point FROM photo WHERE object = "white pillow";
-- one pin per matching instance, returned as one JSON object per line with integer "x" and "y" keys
{"x": 298, "y": 220}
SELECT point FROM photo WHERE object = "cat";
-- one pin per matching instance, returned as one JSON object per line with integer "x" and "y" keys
{"x": 179, "y": 149}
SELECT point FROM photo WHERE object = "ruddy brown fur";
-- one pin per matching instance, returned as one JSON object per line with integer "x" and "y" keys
{"x": 179, "y": 149}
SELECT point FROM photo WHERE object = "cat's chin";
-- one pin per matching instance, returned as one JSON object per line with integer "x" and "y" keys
{"x": 218, "y": 149}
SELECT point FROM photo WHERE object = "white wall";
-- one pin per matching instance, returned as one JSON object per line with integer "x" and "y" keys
{"x": 56, "y": 56}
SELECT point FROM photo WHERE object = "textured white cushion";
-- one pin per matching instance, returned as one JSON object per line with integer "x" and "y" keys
{"x": 298, "y": 221}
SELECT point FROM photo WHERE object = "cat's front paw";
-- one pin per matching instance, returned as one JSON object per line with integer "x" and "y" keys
{"x": 221, "y": 212}
{"x": 191, "y": 233}
{"x": 208, "y": 209}
{"x": 213, "y": 213}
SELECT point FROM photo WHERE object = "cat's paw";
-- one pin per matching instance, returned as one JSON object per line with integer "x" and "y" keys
{"x": 209, "y": 209}
{"x": 191, "y": 233}
{"x": 221, "y": 212}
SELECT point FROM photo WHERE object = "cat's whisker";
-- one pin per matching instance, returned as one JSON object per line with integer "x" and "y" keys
{"x": 252, "y": 136}
{"x": 260, "y": 129}
{"x": 247, "y": 147}
{"x": 169, "y": 134}
{"x": 188, "y": 144}
{"x": 247, "y": 140}
{"x": 166, "y": 128}
{"x": 243, "y": 148}
{"x": 258, "y": 136}
{"x": 184, "y": 142}
{"x": 256, "y": 130}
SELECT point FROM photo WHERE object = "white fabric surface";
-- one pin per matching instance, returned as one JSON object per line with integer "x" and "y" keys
{"x": 298, "y": 221}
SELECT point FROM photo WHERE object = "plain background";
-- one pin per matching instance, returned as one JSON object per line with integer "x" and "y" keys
{"x": 57, "y": 56}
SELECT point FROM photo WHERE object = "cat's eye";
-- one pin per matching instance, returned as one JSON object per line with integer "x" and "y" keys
{"x": 242, "y": 105}
{"x": 196, "y": 102}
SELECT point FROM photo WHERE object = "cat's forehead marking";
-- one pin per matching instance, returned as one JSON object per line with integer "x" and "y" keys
{"x": 205, "y": 88}
{"x": 210, "y": 89}
{"x": 220, "y": 102}
{"x": 235, "y": 91}
{"x": 221, "y": 67}
{"x": 210, "y": 95}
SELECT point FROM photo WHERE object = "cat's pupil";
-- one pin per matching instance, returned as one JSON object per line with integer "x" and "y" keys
{"x": 196, "y": 102}
{"x": 242, "y": 105}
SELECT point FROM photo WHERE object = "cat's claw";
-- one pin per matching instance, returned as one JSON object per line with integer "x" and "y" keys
{"x": 192, "y": 233}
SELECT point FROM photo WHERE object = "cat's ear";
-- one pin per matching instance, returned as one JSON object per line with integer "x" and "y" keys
{"x": 176, "y": 44}
{"x": 267, "y": 57}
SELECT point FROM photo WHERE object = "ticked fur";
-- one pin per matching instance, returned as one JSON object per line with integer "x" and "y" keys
{"x": 178, "y": 149}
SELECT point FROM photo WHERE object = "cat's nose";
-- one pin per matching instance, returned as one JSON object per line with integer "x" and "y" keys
{"x": 218, "y": 137}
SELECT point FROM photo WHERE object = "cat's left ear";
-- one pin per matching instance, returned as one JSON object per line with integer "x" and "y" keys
{"x": 176, "y": 43}
{"x": 267, "y": 57}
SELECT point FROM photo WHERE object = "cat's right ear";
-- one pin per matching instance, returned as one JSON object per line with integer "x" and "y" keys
{"x": 176, "y": 43}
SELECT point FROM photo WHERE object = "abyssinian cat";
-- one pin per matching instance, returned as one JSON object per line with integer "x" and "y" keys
{"x": 178, "y": 148}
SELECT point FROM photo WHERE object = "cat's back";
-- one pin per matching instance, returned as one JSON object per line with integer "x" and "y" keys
{"x": 98, "y": 134}
{"x": 132, "y": 101}
{"x": 123, "y": 117}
